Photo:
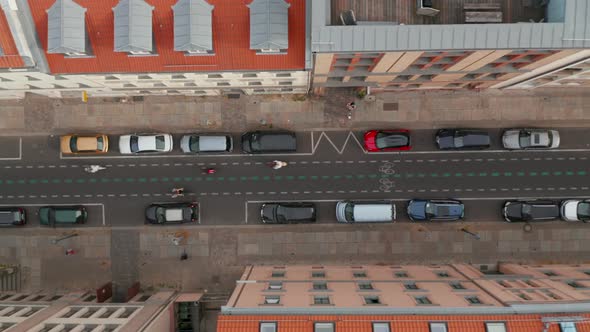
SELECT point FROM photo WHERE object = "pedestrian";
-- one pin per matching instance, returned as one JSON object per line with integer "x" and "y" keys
{"x": 351, "y": 106}
{"x": 70, "y": 252}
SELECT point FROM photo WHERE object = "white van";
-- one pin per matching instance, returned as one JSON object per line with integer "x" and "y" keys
{"x": 364, "y": 211}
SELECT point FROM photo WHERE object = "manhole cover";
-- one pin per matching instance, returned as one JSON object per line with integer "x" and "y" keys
{"x": 390, "y": 106}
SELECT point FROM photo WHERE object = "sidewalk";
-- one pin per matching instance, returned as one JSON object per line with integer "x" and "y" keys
{"x": 37, "y": 115}
{"x": 217, "y": 255}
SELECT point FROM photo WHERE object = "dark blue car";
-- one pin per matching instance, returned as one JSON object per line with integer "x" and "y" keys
{"x": 435, "y": 209}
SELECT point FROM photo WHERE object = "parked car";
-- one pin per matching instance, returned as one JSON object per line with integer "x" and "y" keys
{"x": 361, "y": 212}
{"x": 145, "y": 143}
{"x": 169, "y": 213}
{"x": 65, "y": 215}
{"x": 534, "y": 210}
{"x": 269, "y": 142}
{"x": 435, "y": 210}
{"x": 201, "y": 143}
{"x": 387, "y": 140}
{"x": 518, "y": 139}
{"x": 457, "y": 139}
{"x": 12, "y": 216}
{"x": 72, "y": 144}
{"x": 575, "y": 210}
{"x": 288, "y": 213}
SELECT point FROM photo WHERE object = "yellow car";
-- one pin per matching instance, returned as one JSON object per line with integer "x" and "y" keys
{"x": 71, "y": 144}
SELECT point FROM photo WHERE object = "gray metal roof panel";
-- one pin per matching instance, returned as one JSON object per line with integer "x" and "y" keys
{"x": 133, "y": 26}
{"x": 269, "y": 24}
{"x": 573, "y": 33}
{"x": 193, "y": 29}
{"x": 66, "y": 32}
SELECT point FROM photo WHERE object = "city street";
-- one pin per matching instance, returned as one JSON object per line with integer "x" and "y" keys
{"x": 328, "y": 167}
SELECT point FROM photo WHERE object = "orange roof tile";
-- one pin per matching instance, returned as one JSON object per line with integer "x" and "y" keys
{"x": 11, "y": 58}
{"x": 401, "y": 323}
{"x": 231, "y": 35}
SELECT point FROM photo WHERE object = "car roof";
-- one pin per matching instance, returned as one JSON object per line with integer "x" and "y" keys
{"x": 86, "y": 143}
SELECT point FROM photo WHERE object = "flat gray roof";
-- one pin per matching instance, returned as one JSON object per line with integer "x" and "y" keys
{"x": 269, "y": 24}
{"x": 66, "y": 30}
{"x": 574, "y": 32}
{"x": 133, "y": 26}
{"x": 192, "y": 26}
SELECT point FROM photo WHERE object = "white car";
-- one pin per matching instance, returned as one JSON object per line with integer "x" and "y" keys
{"x": 575, "y": 210}
{"x": 517, "y": 139}
{"x": 145, "y": 143}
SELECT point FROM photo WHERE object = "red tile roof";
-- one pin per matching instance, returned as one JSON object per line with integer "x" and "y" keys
{"x": 401, "y": 323}
{"x": 231, "y": 35}
{"x": 11, "y": 58}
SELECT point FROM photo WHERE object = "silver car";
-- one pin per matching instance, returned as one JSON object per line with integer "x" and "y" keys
{"x": 197, "y": 143}
{"x": 519, "y": 139}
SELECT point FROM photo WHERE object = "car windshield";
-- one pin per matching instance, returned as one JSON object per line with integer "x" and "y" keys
{"x": 161, "y": 215}
{"x": 459, "y": 141}
{"x": 524, "y": 139}
{"x": 160, "y": 142}
{"x": 430, "y": 209}
{"x": 255, "y": 142}
{"x": 349, "y": 212}
{"x": 100, "y": 143}
{"x": 584, "y": 211}
{"x": 527, "y": 209}
{"x": 194, "y": 143}
{"x": 73, "y": 144}
{"x": 134, "y": 144}
{"x": 385, "y": 140}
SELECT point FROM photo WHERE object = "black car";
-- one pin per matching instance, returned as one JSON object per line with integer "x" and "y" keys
{"x": 435, "y": 210}
{"x": 168, "y": 213}
{"x": 269, "y": 142}
{"x": 530, "y": 210}
{"x": 288, "y": 213}
{"x": 456, "y": 139}
{"x": 12, "y": 216}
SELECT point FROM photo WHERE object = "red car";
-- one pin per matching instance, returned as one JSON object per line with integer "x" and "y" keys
{"x": 387, "y": 140}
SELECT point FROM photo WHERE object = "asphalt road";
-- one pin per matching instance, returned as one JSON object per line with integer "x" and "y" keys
{"x": 328, "y": 166}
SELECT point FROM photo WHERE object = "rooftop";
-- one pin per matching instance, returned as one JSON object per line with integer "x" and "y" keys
{"x": 451, "y": 11}
{"x": 566, "y": 27}
{"x": 231, "y": 41}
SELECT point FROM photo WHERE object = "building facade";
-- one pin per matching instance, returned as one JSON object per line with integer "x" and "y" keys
{"x": 80, "y": 312}
{"x": 441, "y": 298}
{"x": 140, "y": 47}
{"x": 392, "y": 45}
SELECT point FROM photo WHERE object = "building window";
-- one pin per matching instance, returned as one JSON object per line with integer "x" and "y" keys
{"x": 365, "y": 285}
{"x": 401, "y": 274}
{"x": 321, "y": 299}
{"x": 320, "y": 285}
{"x": 359, "y": 274}
{"x": 442, "y": 274}
{"x": 567, "y": 327}
{"x": 504, "y": 284}
{"x": 523, "y": 296}
{"x": 318, "y": 274}
{"x": 381, "y": 327}
{"x": 278, "y": 274}
{"x": 456, "y": 285}
{"x": 284, "y": 75}
{"x": 323, "y": 327}
{"x": 495, "y": 327}
{"x": 214, "y": 76}
{"x": 473, "y": 300}
{"x": 222, "y": 83}
{"x": 285, "y": 83}
{"x": 249, "y": 75}
{"x": 275, "y": 285}
{"x": 254, "y": 83}
{"x": 272, "y": 299}
{"x": 422, "y": 300}
{"x": 268, "y": 327}
{"x": 551, "y": 295}
{"x": 575, "y": 284}
{"x": 372, "y": 299}
{"x": 411, "y": 285}
{"x": 549, "y": 273}
{"x": 438, "y": 327}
